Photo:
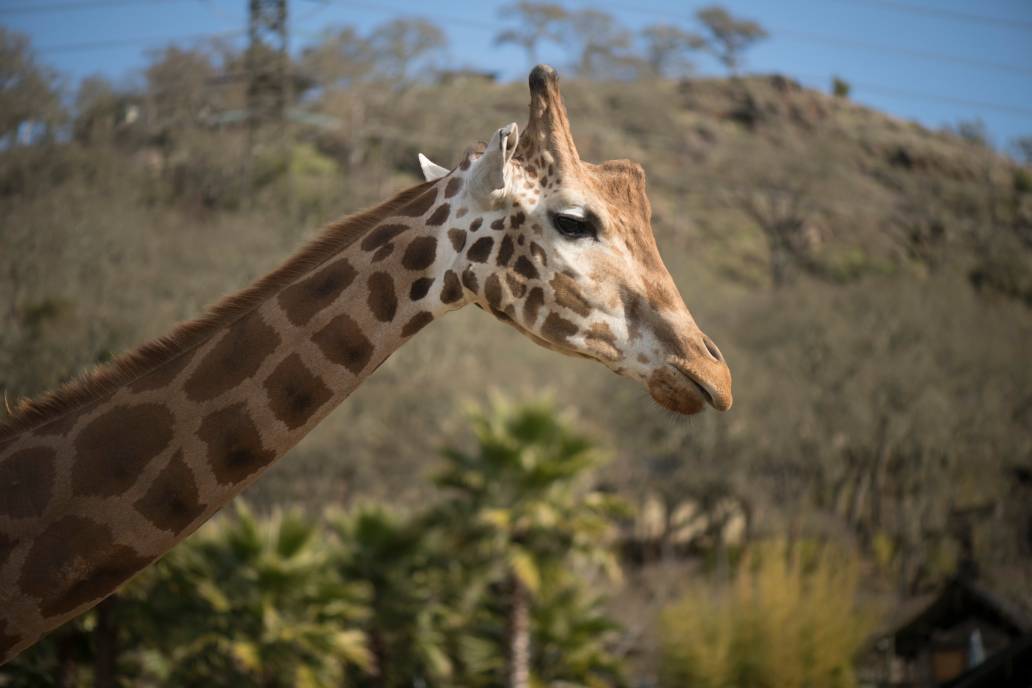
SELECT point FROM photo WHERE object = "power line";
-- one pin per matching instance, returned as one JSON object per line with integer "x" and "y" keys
{"x": 870, "y": 87}
{"x": 931, "y": 97}
{"x": 843, "y": 42}
{"x": 929, "y": 11}
{"x": 884, "y": 48}
{"x": 874, "y": 88}
{"x": 129, "y": 42}
{"x": 73, "y": 6}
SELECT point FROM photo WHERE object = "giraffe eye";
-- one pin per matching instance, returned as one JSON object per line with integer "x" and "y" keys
{"x": 573, "y": 227}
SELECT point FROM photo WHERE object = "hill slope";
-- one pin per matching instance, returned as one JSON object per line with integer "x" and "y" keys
{"x": 884, "y": 382}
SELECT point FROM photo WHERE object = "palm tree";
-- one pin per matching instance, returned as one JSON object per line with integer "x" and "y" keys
{"x": 519, "y": 514}
{"x": 573, "y": 636}
{"x": 392, "y": 556}
{"x": 249, "y": 602}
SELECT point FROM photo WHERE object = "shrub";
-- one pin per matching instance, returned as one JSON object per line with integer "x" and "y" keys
{"x": 788, "y": 619}
{"x": 840, "y": 88}
{"x": 1022, "y": 180}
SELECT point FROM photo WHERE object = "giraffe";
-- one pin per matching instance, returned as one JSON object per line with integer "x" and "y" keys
{"x": 103, "y": 476}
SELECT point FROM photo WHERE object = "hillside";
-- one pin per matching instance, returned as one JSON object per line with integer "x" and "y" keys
{"x": 882, "y": 384}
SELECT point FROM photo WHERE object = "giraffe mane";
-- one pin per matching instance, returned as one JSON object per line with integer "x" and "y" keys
{"x": 127, "y": 367}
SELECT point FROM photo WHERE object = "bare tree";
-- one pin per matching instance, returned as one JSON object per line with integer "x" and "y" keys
{"x": 537, "y": 22}
{"x": 1023, "y": 147}
{"x": 340, "y": 58}
{"x": 401, "y": 44}
{"x": 727, "y": 37}
{"x": 28, "y": 90}
{"x": 602, "y": 46}
{"x": 667, "y": 47}
{"x": 780, "y": 211}
{"x": 179, "y": 89}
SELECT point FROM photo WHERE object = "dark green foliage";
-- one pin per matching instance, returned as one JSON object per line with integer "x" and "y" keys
{"x": 840, "y": 88}
{"x": 521, "y": 520}
{"x": 1022, "y": 180}
{"x": 376, "y": 598}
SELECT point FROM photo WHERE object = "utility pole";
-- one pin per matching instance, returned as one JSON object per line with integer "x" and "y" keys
{"x": 268, "y": 86}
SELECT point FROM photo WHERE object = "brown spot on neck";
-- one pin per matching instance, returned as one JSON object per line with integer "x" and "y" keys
{"x": 343, "y": 342}
{"x": 451, "y": 291}
{"x": 420, "y": 253}
{"x": 115, "y": 448}
{"x": 457, "y": 237}
{"x": 416, "y": 323}
{"x": 505, "y": 251}
{"x": 381, "y": 236}
{"x": 480, "y": 249}
{"x": 453, "y": 187}
{"x": 517, "y": 287}
{"x": 439, "y": 217}
{"x": 420, "y": 288}
{"x": 525, "y": 268}
{"x": 27, "y": 477}
{"x": 301, "y": 301}
{"x": 382, "y": 253}
{"x": 557, "y": 329}
{"x": 420, "y": 204}
{"x": 535, "y": 300}
{"x": 382, "y": 300}
{"x": 295, "y": 393}
{"x": 235, "y": 358}
{"x": 172, "y": 502}
{"x": 235, "y": 449}
{"x": 76, "y": 561}
{"x": 469, "y": 279}
{"x": 493, "y": 291}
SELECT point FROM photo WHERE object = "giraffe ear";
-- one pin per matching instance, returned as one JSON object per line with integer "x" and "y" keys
{"x": 431, "y": 170}
{"x": 489, "y": 178}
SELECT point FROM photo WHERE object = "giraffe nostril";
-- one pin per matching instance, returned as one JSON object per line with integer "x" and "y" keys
{"x": 712, "y": 348}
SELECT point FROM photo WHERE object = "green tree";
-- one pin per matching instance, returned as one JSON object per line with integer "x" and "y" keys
{"x": 727, "y": 37}
{"x": 537, "y": 22}
{"x": 520, "y": 513}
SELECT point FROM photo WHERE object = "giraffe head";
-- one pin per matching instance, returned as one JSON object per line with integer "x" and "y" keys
{"x": 563, "y": 250}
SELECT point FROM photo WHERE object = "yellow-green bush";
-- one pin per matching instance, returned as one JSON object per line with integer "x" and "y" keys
{"x": 789, "y": 618}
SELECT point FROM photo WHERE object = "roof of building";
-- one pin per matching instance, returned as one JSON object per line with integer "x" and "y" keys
{"x": 961, "y": 598}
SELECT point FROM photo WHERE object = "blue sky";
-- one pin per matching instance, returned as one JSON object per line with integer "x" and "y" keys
{"x": 936, "y": 61}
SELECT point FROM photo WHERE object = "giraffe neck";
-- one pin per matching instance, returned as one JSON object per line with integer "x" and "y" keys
{"x": 95, "y": 495}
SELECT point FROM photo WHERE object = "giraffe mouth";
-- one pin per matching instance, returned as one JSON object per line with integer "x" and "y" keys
{"x": 674, "y": 387}
{"x": 697, "y": 386}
